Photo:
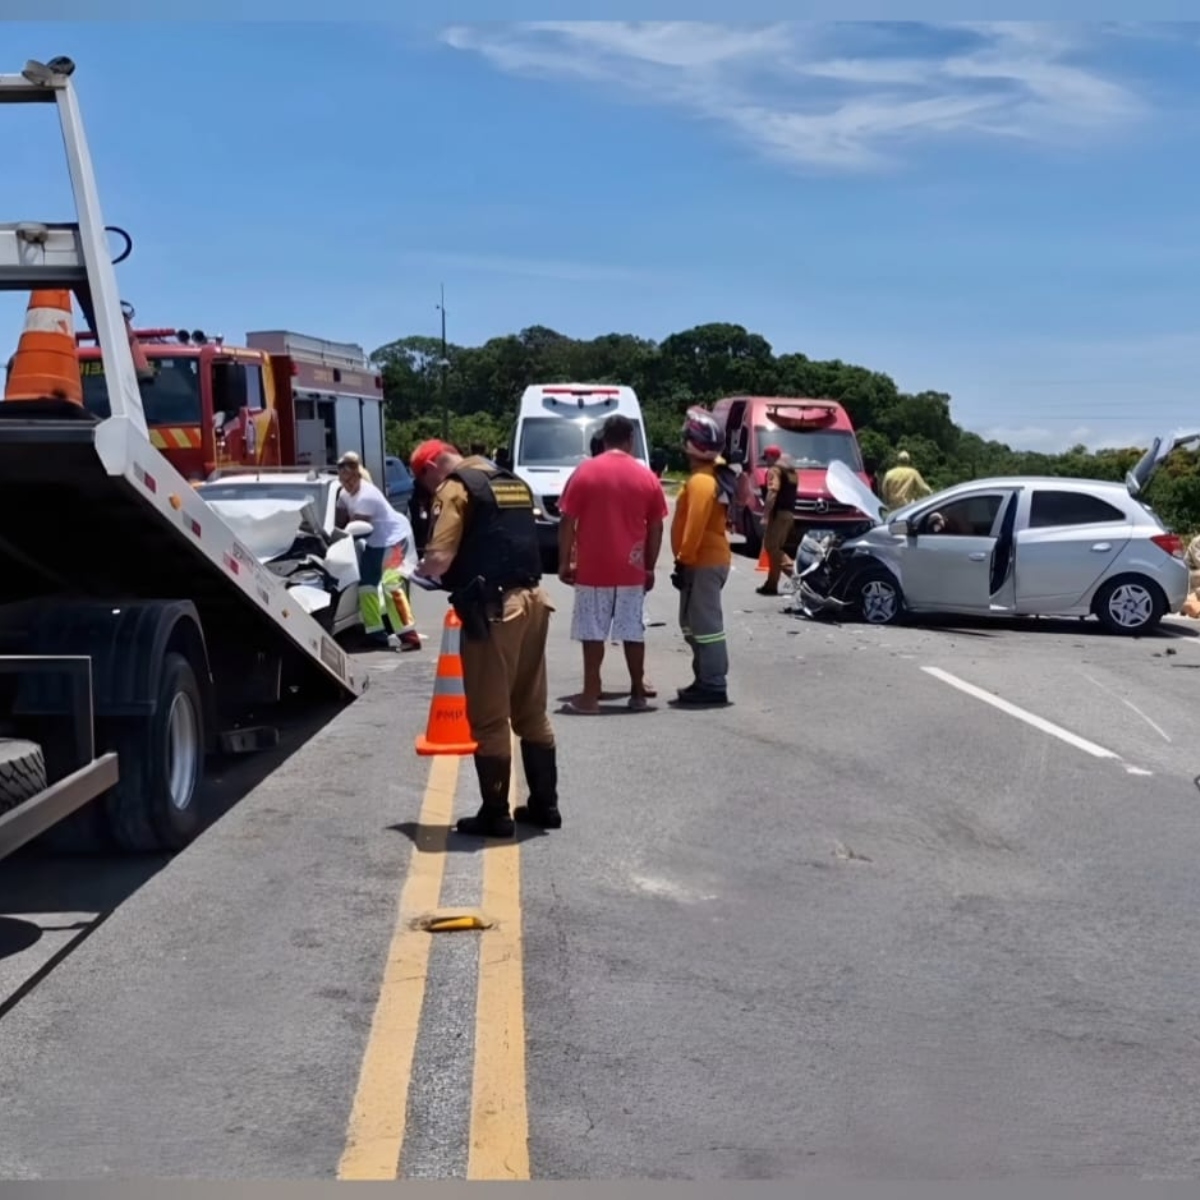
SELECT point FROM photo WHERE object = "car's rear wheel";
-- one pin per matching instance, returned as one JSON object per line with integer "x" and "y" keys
{"x": 876, "y": 596}
{"x": 1130, "y": 605}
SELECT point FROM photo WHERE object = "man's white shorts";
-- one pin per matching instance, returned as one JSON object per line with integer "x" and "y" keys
{"x": 602, "y": 613}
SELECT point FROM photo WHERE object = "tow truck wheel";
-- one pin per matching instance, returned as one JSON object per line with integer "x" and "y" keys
{"x": 876, "y": 596}
{"x": 156, "y": 805}
{"x": 22, "y": 772}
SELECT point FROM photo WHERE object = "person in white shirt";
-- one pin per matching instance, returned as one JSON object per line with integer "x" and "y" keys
{"x": 389, "y": 557}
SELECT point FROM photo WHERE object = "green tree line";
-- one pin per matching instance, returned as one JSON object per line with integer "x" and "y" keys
{"x": 482, "y": 385}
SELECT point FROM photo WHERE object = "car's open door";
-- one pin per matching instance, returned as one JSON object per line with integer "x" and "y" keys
{"x": 1003, "y": 581}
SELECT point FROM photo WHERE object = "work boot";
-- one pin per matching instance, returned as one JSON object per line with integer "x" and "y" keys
{"x": 541, "y": 773}
{"x": 698, "y": 695}
{"x": 492, "y": 819}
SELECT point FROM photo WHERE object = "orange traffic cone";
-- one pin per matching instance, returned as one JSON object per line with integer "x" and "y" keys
{"x": 46, "y": 364}
{"x": 764, "y": 563}
{"x": 448, "y": 731}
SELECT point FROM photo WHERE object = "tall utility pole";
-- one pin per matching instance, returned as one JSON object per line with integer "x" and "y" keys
{"x": 444, "y": 364}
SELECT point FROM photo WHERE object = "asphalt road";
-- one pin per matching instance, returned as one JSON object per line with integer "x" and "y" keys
{"x": 918, "y": 904}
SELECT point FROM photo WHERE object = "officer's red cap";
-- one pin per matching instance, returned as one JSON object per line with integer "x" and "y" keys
{"x": 772, "y": 452}
{"x": 426, "y": 452}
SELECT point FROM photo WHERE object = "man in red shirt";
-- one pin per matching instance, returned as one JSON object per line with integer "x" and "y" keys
{"x": 612, "y": 509}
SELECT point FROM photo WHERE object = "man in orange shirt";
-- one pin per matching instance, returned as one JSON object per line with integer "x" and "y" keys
{"x": 703, "y": 557}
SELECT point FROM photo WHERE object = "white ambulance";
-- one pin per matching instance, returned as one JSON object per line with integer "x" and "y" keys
{"x": 553, "y": 434}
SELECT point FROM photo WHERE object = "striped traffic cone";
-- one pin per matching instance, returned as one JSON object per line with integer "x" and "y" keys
{"x": 46, "y": 364}
{"x": 447, "y": 730}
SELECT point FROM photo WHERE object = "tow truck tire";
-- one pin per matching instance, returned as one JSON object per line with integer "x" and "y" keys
{"x": 156, "y": 805}
{"x": 22, "y": 772}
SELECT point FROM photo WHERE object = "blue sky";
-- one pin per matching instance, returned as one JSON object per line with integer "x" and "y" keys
{"x": 1003, "y": 212}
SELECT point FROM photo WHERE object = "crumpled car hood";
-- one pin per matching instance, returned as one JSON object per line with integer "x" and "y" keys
{"x": 847, "y": 488}
{"x": 267, "y": 528}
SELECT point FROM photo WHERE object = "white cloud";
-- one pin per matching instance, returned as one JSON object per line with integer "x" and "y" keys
{"x": 685, "y": 45}
{"x": 839, "y": 95}
{"x": 1152, "y": 31}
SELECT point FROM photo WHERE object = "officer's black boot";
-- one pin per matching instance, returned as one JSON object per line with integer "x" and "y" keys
{"x": 492, "y": 819}
{"x": 541, "y": 773}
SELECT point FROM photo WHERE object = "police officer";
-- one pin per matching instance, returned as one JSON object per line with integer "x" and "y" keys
{"x": 483, "y": 549}
{"x": 779, "y": 514}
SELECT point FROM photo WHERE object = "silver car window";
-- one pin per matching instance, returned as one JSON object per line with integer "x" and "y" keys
{"x": 1050, "y": 507}
{"x": 970, "y": 516}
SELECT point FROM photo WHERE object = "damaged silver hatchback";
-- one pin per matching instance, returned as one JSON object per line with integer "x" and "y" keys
{"x": 1003, "y": 547}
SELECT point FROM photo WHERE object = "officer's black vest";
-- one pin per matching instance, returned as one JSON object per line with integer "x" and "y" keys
{"x": 789, "y": 482}
{"x": 499, "y": 539}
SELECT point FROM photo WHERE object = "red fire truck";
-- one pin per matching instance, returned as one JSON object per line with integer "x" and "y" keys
{"x": 210, "y": 405}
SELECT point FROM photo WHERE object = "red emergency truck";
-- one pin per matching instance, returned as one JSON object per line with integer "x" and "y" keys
{"x": 812, "y": 433}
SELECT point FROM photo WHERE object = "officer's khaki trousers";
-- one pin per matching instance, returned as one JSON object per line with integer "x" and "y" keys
{"x": 774, "y": 540}
{"x": 505, "y": 676}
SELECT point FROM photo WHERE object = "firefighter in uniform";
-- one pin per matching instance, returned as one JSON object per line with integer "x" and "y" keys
{"x": 779, "y": 514}
{"x": 903, "y": 483}
{"x": 483, "y": 549}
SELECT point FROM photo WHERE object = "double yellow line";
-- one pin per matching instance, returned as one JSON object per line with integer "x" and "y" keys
{"x": 499, "y": 1129}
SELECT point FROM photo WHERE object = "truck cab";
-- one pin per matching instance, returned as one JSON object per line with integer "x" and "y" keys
{"x": 207, "y": 405}
{"x": 812, "y": 433}
{"x": 552, "y": 435}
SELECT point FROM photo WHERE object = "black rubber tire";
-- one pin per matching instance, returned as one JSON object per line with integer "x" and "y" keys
{"x": 863, "y": 579}
{"x": 1100, "y": 606}
{"x": 22, "y": 772}
{"x": 141, "y": 815}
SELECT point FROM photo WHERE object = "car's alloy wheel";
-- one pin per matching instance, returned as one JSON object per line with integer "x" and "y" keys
{"x": 878, "y": 601}
{"x": 1130, "y": 606}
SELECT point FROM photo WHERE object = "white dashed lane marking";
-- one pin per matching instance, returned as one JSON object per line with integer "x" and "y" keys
{"x": 1040, "y": 723}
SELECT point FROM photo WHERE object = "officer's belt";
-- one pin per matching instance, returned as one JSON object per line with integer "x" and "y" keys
{"x": 512, "y": 585}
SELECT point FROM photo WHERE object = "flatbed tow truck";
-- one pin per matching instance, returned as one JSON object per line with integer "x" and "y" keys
{"x": 137, "y": 634}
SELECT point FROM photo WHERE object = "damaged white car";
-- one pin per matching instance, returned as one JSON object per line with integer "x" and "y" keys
{"x": 286, "y": 533}
{"x": 1003, "y": 547}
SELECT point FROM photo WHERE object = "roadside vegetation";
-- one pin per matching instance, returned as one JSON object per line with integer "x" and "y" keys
{"x": 483, "y": 383}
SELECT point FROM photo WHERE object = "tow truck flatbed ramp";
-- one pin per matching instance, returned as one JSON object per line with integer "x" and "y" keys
{"x": 140, "y": 533}
{"x": 108, "y": 554}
